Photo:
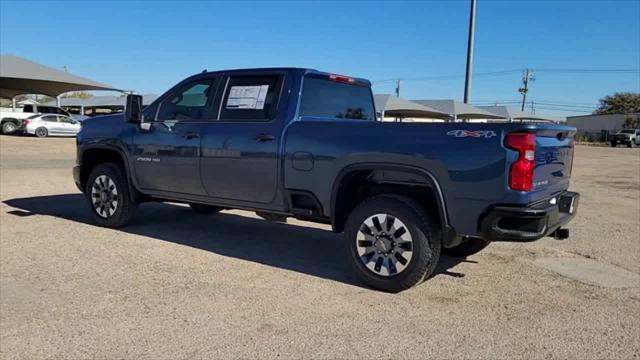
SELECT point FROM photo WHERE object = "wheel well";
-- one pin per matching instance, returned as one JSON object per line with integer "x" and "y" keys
{"x": 13, "y": 120}
{"x": 94, "y": 157}
{"x": 358, "y": 185}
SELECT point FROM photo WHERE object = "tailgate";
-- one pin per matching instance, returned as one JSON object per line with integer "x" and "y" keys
{"x": 553, "y": 160}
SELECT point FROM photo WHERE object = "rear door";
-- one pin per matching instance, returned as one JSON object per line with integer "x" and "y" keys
{"x": 240, "y": 142}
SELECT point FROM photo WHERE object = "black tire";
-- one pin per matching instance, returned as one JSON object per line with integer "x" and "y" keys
{"x": 630, "y": 144}
{"x": 124, "y": 209}
{"x": 41, "y": 132}
{"x": 424, "y": 235}
{"x": 467, "y": 248}
{"x": 9, "y": 127}
{"x": 205, "y": 209}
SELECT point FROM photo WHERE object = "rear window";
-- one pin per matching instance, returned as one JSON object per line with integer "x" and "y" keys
{"x": 332, "y": 99}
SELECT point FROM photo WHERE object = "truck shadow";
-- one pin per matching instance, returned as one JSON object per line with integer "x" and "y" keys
{"x": 312, "y": 251}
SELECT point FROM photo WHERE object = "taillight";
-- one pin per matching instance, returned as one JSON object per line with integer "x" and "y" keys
{"x": 25, "y": 122}
{"x": 342, "y": 78}
{"x": 521, "y": 172}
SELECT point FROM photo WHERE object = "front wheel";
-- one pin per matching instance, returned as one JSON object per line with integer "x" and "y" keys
{"x": 392, "y": 242}
{"x": 107, "y": 193}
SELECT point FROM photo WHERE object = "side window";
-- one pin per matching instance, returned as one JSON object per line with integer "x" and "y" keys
{"x": 50, "y": 118}
{"x": 27, "y": 108}
{"x": 46, "y": 110}
{"x": 187, "y": 103}
{"x": 65, "y": 119}
{"x": 251, "y": 98}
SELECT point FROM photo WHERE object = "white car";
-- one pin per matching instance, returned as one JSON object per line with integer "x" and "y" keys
{"x": 44, "y": 125}
{"x": 11, "y": 119}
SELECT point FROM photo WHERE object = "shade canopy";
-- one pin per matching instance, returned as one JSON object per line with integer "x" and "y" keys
{"x": 394, "y": 106}
{"x": 515, "y": 114}
{"x": 458, "y": 109}
{"x": 97, "y": 101}
{"x": 20, "y": 76}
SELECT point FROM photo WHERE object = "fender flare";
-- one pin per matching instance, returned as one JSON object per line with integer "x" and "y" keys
{"x": 430, "y": 179}
{"x": 134, "y": 193}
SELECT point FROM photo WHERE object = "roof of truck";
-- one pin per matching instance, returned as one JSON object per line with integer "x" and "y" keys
{"x": 303, "y": 71}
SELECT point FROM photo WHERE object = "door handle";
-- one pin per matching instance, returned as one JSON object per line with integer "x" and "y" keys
{"x": 265, "y": 137}
{"x": 190, "y": 135}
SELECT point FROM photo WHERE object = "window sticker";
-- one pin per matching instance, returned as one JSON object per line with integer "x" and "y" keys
{"x": 247, "y": 97}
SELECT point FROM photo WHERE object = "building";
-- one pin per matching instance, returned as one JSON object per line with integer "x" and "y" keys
{"x": 598, "y": 127}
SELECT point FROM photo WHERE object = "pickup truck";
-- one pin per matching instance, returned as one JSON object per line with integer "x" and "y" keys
{"x": 629, "y": 137}
{"x": 12, "y": 120}
{"x": 290, "y": 142}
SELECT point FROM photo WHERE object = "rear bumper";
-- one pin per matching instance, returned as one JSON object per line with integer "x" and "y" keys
{"x": 509, "y": 223}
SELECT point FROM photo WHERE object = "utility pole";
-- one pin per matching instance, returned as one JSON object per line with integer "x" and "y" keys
{"x": 528, "y": 76}
{"x": 472, "y": 30}
{"x": 533, "y": 108}
{"x": 398, "y": 88}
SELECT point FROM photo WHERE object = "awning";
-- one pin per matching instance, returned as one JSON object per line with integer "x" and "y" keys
{"x": 104, "y": 101}
{"x": 458, "y": 109}
{"x": 394, "y": 106}
{"x": 20, "y": 76}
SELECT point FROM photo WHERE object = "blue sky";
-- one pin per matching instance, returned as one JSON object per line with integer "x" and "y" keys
{"x": 149, "y": 46}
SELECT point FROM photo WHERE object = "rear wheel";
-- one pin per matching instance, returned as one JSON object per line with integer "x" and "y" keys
{"x": 107, "y": 193}
{"x": 204, "y": 209}
{"x": 630, "y": 144}
{"x": 391, "y": 242}
{"x": 41, "y": 132}
{"x": 9, "y": 127}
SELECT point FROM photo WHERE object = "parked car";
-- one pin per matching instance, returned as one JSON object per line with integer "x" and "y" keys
{"x": 44, "y": 125}
{"x": 11, "y": 119}
{"x": 629, "y": 137}
{"x": 301, "y": 143}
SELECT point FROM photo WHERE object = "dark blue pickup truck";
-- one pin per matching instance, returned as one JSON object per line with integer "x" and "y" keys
{"x": 289, "y": 142}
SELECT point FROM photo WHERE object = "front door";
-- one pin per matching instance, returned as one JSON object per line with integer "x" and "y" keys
{"x": 167, "y": 149}
{"x": 240, "y": 146}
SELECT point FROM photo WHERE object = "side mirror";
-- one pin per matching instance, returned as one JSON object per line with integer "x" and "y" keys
{"x": 133, "y": 110}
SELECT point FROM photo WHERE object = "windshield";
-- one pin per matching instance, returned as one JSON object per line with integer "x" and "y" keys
{"x": 627, "y": 131}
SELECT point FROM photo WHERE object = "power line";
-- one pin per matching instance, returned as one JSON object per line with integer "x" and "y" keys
{"x": 442, "y": 77}
{"x": 512, "y": 71}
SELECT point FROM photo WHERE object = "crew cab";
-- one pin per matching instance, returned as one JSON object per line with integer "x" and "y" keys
{"x": 290, "y": 142}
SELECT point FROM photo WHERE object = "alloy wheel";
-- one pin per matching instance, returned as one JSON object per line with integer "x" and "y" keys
{"x": 384, "y": 244}
{"x": 104, "y": 196}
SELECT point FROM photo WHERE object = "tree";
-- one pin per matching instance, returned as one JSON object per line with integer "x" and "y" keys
{"x": 630, "y": 123}
{"x": 77, "y": 95}
{"x": 619, "y": 103}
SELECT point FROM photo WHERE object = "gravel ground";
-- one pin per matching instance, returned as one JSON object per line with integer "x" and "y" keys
{"x": 179, "y": 285}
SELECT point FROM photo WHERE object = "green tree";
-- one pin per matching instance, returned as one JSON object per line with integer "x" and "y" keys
{"x": 619, "y": 103}
{"x": 630, "y": 123}
{"x": 78, "y": 95}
